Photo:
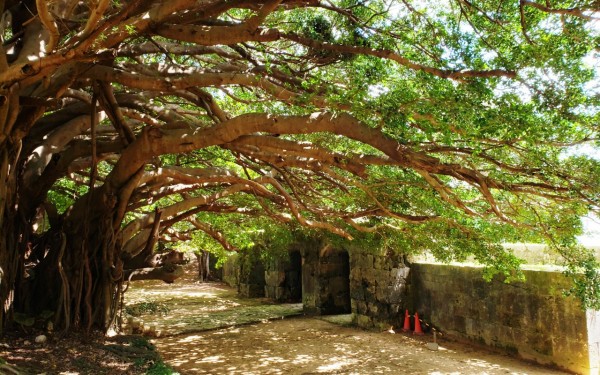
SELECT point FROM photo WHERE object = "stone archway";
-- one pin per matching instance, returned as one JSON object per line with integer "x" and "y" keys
{"x": 335, "y": 282}
{"x": 326, "y": 281}
{"x": 293, "y": 277}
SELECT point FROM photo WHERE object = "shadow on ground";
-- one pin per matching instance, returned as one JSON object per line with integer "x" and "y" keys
{"x": 207, "y": 329}
{"x": 194, "y": 307}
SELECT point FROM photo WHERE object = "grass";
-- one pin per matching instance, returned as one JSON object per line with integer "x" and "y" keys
{"x": 141, "y": 308}
{"x": 191, "y": 308}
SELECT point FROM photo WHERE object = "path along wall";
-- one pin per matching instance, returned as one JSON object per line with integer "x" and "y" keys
{"x": 532, "y": 319}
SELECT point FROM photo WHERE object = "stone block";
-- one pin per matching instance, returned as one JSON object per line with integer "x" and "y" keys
{"x": 243, "y": 290}
{"x": 270, "y": 292}
{"x": 274, "y": 278}
{"x": 395, "y": 293}
{"x": 478, "y": 289}
{"x": 368, "y": 275}
{"x": 373, "y": 309}
{"x": 470, "y": 327}
{"x": 281, "y": 293}
{"x": 361, "y": 307}
{"x": 400, "y": 273}
{"x": 381, "y": 293}
{"x": 309, "y": 300}
{"x": 357, "y": 293}
{"x": 364, "y": 321}
{"x": 540, "y": 343}
{"x": 370, "y": 293}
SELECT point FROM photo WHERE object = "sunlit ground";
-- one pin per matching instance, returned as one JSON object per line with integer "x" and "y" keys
{"x": 187, "y": 306}
{"x": 190, "y": 315}
{"x": 314, "y": 346}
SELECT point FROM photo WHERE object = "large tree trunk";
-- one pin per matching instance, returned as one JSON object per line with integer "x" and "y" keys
{"x": 203, "y": 266}
{"x": 167, "y": 273}
{"x": 15, "y": 232}
{"x": 9, "y": 251}
{"x": 80, "y": 277}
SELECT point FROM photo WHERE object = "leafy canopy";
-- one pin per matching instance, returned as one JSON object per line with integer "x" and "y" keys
{"x": 442, "y": 126}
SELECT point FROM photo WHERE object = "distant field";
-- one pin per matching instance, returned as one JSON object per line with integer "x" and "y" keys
{"x": 541, "y": 247}
{"x": 537, "y": 253}
{"x": 533, "y": 254}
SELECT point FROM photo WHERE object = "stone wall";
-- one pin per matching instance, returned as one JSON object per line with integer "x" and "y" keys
{"x": 326, "y": 280}
{"x": 246, "y": 272}
{"x": 531, "y": 319}
{"x": 283, "y": 278}
{"x": 378, "y": 288}
{"x": 231, "y": 271}
{"x": 593, "y": 334}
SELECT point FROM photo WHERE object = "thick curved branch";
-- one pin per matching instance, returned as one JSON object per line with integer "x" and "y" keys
{"x": 281, "y": 152}
{"x": 174, "y": 82}
{"x": 48, "y": 21}
{"x": 216, "y": 35}
{"x": 385, "y": 54}
{"x": 54, "y": 143}
{"x": 215, "y": 234}
{"x": 129, "y": 232}
{"x": 96, "y": 12}
{"x": 157, "y": 141}
{"x": 576, "y": 12}
{"x": 132, "y": 50}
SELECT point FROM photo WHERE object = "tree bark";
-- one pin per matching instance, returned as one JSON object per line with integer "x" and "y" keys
{"x": 203, "y": 258}
{"x": 167, "y": 273}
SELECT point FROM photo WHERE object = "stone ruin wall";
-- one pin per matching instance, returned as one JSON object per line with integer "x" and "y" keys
{"x": 379, "y": 287}
{"x": 531, "y": 319}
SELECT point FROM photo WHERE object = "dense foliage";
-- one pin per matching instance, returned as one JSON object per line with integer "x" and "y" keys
{"x": 442, "y": 126}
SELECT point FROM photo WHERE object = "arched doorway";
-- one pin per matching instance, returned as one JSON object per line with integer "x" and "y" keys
{"x": 344, "y": 292}
{"x": 335, "y": 276}
{"x": 293, "y": 277}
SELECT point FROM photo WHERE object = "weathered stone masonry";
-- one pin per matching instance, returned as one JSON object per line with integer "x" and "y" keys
{"x": 379, "y": 289}
{"x": 283, "y": 278}
{"x": 532, "y": 319}
{"x": 326, "y": 281}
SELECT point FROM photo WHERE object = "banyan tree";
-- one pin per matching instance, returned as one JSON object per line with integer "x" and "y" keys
{"x": 450, "y": 126}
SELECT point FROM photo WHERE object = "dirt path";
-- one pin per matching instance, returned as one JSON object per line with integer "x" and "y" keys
{"x": 311, "y": 346}
{"x": 188, "y": 306}
{"x": 187, "y": 316}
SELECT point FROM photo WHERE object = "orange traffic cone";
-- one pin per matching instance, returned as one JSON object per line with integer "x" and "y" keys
{"x": 406, "y": 327}
{"x": 418, "y": 330}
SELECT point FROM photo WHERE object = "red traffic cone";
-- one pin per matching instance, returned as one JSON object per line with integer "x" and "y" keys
{"x": 406, "y": 327}
{"x": 418, "y": 330}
